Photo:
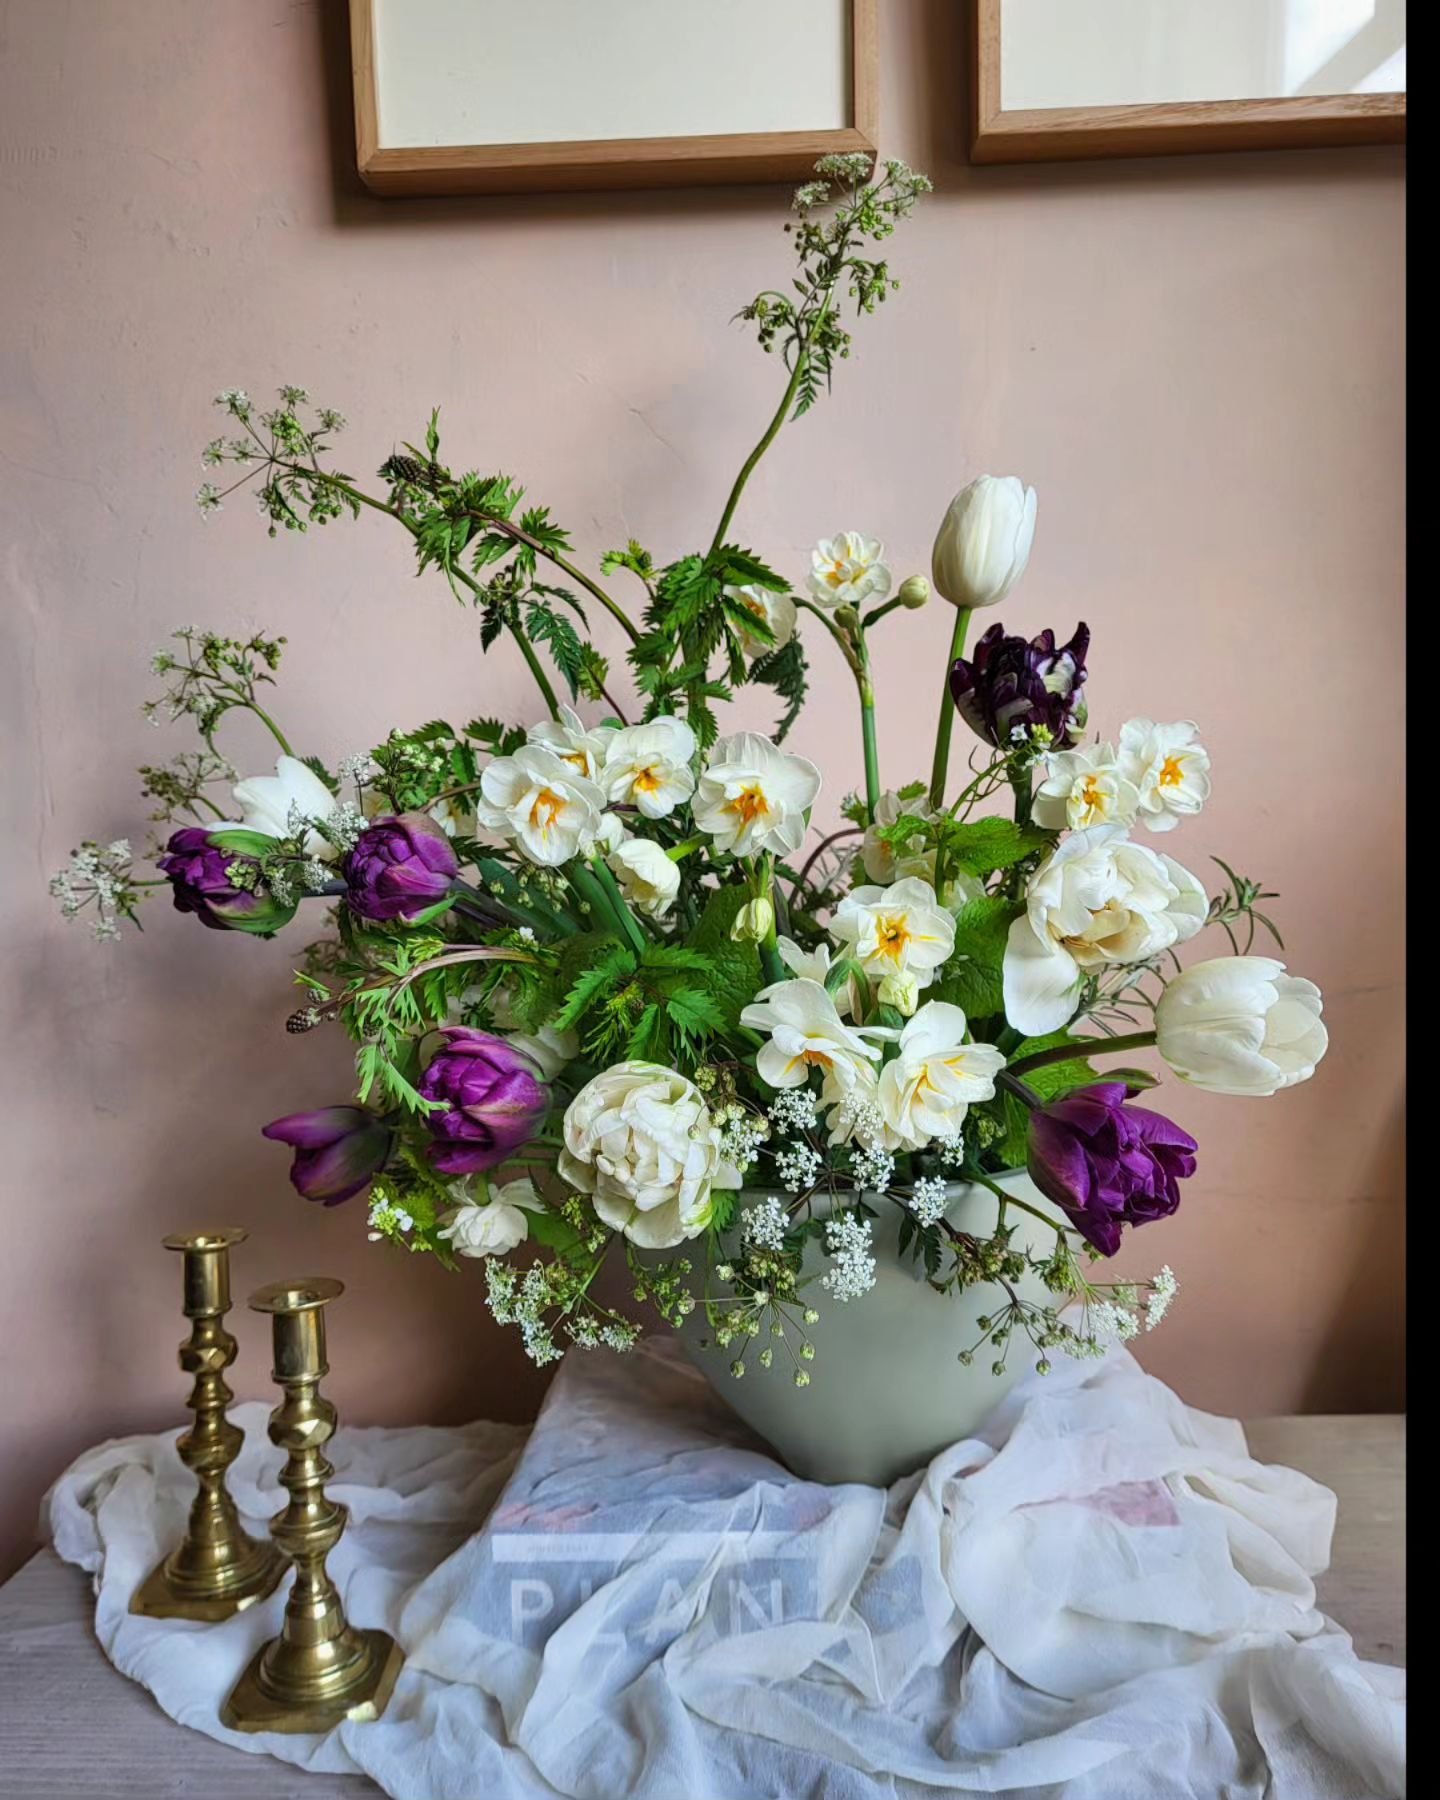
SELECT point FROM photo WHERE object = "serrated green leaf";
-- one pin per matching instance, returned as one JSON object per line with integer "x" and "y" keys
{"x": 981, "y": 846}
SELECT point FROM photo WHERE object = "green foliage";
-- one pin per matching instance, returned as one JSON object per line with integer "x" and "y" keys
{"x": 981, "y": 846}
{"x": 787, "y": 672}
{"x": 971, "y": 979}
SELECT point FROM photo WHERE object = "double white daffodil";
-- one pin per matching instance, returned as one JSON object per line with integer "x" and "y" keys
{"x": 807, "y": 1032}
{"x": 648, "y": 766}
{"x": 552, "y": 812}
{"x": 1169, "y": 768}
{"x": 754, "y": 796}
{"x": 772, "y": 609}
{"x": 927, "y": 1088}
{"x": 648, "y": 878}
{"x": 848, "y": 570}
{"x": 1082, "y": 788}
{"x": 900, "y": 930}
{"x": 582, "y": 746}
{"x": 1096, "y": 899}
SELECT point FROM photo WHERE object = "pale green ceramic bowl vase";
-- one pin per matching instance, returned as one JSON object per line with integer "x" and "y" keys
{"x": 887, "y": 1389}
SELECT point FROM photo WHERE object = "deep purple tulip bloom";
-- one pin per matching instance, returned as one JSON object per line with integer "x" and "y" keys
{"x": 1011, "y": 682}
{"x": 493, "y": 1097}
{"x": 1106, "y": 1163}
{"x": 199, "y": 874}
{"x": 339, "y": 1150}
{"x": 399, "y": 868}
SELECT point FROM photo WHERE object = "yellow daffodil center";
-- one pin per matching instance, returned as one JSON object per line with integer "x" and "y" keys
{"x": 750, "y": 804}
{"x": 835, "y": 574}
{"x": 646, "y": 781}
{"x": 546, "y": 810}
{"x": 892, "y": 936}
{"x": 1172, "y": 772}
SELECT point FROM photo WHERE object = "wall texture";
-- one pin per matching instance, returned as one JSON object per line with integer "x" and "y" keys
{"x": 1197, "y": 362}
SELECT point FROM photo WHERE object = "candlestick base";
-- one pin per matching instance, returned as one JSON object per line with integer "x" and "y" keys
{"x": 182, "y": 1588}
{"x": 262, "y": 1700}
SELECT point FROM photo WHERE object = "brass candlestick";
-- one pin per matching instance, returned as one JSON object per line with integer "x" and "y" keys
{"x": 216, "y": 1569}
{"x": 320, "y": 1669}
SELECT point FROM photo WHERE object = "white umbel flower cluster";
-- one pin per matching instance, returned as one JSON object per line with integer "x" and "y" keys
{"x": 852, "y": 1267}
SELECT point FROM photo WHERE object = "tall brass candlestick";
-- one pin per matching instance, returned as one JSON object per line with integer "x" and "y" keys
{"x": 216, "y": 1569}
{"x": 320, "y": 1669}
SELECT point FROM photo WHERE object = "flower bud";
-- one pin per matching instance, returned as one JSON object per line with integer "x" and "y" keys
{"x": 847, "y": 618}
{"x": 914, "y": 592}
{"x": 900, "y": 991}
{"x": 217, "y": 875}
{"x": 754, "y": 922}
{"x": 339, "y": 1150}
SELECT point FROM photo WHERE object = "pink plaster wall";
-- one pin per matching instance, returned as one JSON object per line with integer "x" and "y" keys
{"x": 1196, "y": 361}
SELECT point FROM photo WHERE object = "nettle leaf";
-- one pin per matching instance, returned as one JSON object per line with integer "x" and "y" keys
{"x": 742, "y": 568}
{"x": 543, "y": 625}
{"x": 594, "y": 984}
{"x": 495, "y": 735}
{"x": 693, "y": 1012}
{"x": 1053, "y": 1080}
{"x": 981, "y": 846}
{"x": 647, "y": 1038}
{"x": 972, "y": 979}
{"x": 787, "y": 671}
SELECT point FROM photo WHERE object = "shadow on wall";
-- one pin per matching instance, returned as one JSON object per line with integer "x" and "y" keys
{"x": 1362, "y": 1366}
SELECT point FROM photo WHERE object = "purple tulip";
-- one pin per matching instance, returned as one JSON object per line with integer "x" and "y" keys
{"x": 339, "y": 1150}
{"x": 399, "y": 869}
{"x": 493, "y": 1097}
{"x": 200, "y": 873}
{"x": 1108, "y": 1164}
{"x": 1013, "y": 684}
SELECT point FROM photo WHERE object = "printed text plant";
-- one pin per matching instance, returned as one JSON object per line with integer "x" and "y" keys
{"x": 611, "y": 998}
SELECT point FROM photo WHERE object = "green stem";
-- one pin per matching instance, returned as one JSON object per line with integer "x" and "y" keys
{"x": 542, "y": 680}
{"x": 270, "y": 725}
{"x": 867, "y": 733}
{"x": 599, "y": 886}
{"x": 940, "y": 768}
{"x": 1131, "y": 1040}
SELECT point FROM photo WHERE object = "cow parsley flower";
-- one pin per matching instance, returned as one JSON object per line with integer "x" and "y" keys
{"x": 927, "y": 1200}
{"x": 798, "y": 1165}
{"x": 793, "y": 1109}
{"x": 872, "y": 1167}
{"x": 847, "y": 1242}
{"x": 1162, "y": 1291}
{"x": 762, "y": 1226}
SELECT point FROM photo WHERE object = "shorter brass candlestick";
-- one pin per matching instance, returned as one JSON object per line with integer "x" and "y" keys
{"x": 216, "y": 1569}
{"x": 320, "y": 1669}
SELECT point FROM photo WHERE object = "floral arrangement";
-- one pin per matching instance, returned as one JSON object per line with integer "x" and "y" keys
{"x": 595, "y": 978}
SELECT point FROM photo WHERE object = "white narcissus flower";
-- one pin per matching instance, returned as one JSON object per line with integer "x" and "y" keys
{"x": 927, "y": 1089}
{"x": 640, "y": 1141}
{"x": 984, "y": 541}
{"x": 754, "y": 796}
{"x": 887, "y": 862}
{"x": 807, "y": 1032}
{"x": 1170, "y": 770}
{"x": 648, "y": 766}
{"x": 1084, "y": 787}
{"x": 493, "y": 1227}
{"x": 848, "y": 570}
{"x": 1241, "y": 1025}
{"x": 269, "y": 803}
{"x": 1096, "y": 899}
{"x": 897, "y": 930}
{"x": 772, "y": 609}
{"x": 814, "y": 965}
{"x": 574, "y": 742}
{"x": 648, "y": 878}
{"x": 549, "y": 809}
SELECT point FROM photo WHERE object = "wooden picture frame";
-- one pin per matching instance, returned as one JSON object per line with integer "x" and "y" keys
{"x": 1050, "y": 134}
{"x": 639, "y": 162}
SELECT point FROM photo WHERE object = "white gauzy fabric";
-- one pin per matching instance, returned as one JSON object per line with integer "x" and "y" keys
{"x": 1099, "y": 1597}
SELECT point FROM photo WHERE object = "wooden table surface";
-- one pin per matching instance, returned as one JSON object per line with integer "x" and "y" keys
{"x": 72, "y": 1728}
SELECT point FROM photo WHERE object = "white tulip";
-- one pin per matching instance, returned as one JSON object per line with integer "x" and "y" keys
{"x": 753, "y": 796}
{"x": 1169, "y": 769}
{"x": 494, "y": 1227}
{"x": 648, "y": 766}
{"x": 640, "y": 1141}
{"x": 648, "y": 878}
{"x": 550, "y": 810}
{"x": 574, "y": 742}
{"x": 807, "y": 1032}
{"x": 984, "y": 541}
{"x": 927, "y": 1089}
{"x": 1096, "y": 899}
{"x": 1241, "y": 1025}
{"x": 848, "y": 570}
{"x": 1084, "y": 787}
{"x": 897, "y": 930}
{"x": 276, "y": 804}
{"x": 772, "y": 609}
{"x": 550, "y": 1050}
